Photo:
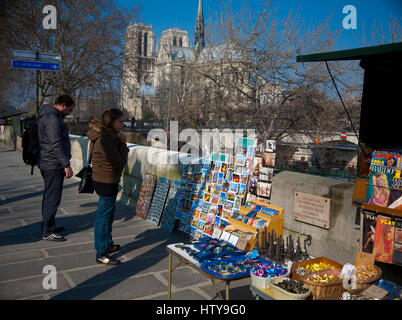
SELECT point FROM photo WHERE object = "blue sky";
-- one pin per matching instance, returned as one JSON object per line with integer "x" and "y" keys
{"x": 164, "y": 14}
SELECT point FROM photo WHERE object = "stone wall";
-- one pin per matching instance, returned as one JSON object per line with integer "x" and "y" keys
{"x": 340, "y": 242}
{"x": 7, "y": 136}
{"x": 142, "y": 160}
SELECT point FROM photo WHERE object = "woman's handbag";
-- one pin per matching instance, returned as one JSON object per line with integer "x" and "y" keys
{"x": 86, "y": 185}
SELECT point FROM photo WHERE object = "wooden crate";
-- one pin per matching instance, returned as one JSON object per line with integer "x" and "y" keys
{"x": 275, "y": 223}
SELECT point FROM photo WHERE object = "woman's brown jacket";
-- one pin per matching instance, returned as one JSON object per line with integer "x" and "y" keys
{"x": 109, "y": 156}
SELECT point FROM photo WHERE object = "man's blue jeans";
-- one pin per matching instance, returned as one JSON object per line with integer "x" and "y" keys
{"x": 103, "y": 224}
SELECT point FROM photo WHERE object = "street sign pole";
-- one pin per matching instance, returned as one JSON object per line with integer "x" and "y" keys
{"x": 38, "y": 61}
{"x": 37, "y": 87}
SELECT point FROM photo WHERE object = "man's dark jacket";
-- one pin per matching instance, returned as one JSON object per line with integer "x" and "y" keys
{"x": 54, "y": 141}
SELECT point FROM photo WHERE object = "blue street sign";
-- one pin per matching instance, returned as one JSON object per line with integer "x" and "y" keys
{"x": 23, "y": 64}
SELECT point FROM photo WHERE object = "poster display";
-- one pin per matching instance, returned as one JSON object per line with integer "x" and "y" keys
{"x": 145, "y": 197}
{"x": 206, "y": 202}
{"x": 263, "y": 171}
{"x": 158, "y": 201}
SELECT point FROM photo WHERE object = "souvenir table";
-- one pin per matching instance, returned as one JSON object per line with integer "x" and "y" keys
{"x": 186, "y": 259}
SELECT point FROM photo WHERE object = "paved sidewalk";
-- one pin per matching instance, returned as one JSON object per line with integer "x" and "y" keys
{"x": 23, "y": 255}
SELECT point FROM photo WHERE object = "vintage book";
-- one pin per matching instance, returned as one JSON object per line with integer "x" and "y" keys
{"x": 395, "y": 196}
{"x": 270, "y": 146}
{"x": 264, "y": 189}
{"x": 268, "y": 159}
{"x": 385, "y": 158}
{"x": 369, "y": 221}
{"x": 380, "y": 181}
{"x": 384, "y": 239}
{"x": 397, "y": 255}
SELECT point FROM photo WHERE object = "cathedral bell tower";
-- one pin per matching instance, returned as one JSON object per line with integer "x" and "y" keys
{"x": 199, "y": 39}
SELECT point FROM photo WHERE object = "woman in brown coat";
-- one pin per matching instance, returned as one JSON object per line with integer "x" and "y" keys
{"x": 109, "y": 157}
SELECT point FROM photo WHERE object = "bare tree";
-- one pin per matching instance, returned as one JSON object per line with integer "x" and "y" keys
{"x": 89, "y": 37}
{"x": 247, "y": 76}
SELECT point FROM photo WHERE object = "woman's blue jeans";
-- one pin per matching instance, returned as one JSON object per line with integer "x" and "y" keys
{"x": 103, "y": 224}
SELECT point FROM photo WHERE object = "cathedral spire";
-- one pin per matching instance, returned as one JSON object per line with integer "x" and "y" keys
{"x": 199, "y": 41}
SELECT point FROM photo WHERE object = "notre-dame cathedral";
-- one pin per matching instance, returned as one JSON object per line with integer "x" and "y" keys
{"x": 144, "y": 66}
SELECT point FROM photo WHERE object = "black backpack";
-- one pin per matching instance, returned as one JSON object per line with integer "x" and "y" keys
{"x": 30, "y": 146}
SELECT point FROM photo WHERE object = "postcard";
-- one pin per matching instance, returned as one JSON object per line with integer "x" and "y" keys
{"x": 201, "y": 225}
{"x": 196, "y": 177}
{"x": 270, "y": 146}
{"x": 203, "y": 216}
{"x": 264, "y": 178}
{"x": 242, "y": 190}
{"x": 223, "y": 167}
{"x": 237, "y": 203}
{"x": 222, "y": 198}
{"x": 236, "y": 178}
{"x": 243, "y": 179}
{"x": 247, "y": 163}
{"x": 194, "y": 223}
{"x": 217, "y": 166}
{"x": 214, "y": 177}
{"x": 264, "y": 189}
{"x": 234, "y": 187}
{"x": 215, "y": 199}
{"x": 220, "y": 209}
{"x": 229, "y": 205}
{"x": 238, "y": 169}
{"x": 210, "y": 218}
{"x": 239, "y": 160}
{"x": 225, "y": 186}
{"x": 230, "y": 196}
{"x": 268, "y": 159}
{"x": 225, "y": 215}
{"x": 213, "y": 209}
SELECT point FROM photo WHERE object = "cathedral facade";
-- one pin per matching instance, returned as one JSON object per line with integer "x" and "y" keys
{"x": 145, "y": 67}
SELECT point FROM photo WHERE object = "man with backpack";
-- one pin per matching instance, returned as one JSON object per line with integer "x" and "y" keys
{"x": 54, "y": 161}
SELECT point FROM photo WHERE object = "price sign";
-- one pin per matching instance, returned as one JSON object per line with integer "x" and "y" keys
{"x": 375, "y": 292}
{"x": 242, "y": 244}
{"x": 364, "y": 258}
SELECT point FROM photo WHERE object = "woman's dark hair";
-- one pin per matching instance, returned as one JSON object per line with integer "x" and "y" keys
{"x": 109, "y": 116}
{"x": 64, "y": 99}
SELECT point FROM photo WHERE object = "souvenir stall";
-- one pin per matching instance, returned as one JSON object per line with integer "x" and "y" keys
{"x": 377, "y": 194}
{"x": 224, "y": 229}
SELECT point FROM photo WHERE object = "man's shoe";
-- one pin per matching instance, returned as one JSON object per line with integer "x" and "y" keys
{"x": 113, "y": 248}
{"x": 107, "y": 260}
{"x": 54, "y": 237}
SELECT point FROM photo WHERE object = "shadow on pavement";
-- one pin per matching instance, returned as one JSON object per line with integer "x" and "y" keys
{"x": 32, "y": 195}
{"x": 112, "y": 276}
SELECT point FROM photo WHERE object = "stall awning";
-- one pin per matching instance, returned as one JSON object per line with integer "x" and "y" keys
{"x": 353, "y": 54}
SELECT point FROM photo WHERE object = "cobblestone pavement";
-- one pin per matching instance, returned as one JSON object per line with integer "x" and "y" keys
{"x": 23, "y": 255}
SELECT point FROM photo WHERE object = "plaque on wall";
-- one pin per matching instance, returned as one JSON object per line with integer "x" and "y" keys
{"x": 312, "y": 209}
{"x": 158, "y": 201}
